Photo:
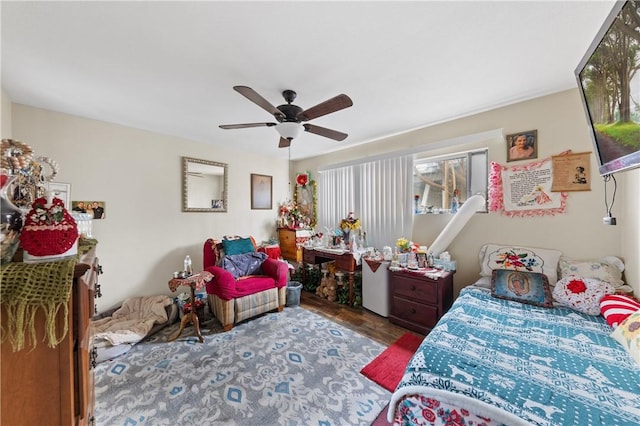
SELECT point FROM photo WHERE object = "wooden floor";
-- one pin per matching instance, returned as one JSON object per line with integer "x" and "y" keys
{"x": 360, "y": 320}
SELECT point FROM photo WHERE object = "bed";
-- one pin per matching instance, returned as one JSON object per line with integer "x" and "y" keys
{"x": 491, "y": 360}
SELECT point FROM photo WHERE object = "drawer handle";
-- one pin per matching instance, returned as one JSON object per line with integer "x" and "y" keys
{"x": 413, "y": 288}
{"x": 413, "y": 311}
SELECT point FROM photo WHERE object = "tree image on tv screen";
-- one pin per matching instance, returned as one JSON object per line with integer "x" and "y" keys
{"x": 611, "y": 86}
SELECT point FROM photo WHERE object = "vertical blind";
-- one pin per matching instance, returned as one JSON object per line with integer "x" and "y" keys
{"x": 380, "y": 194}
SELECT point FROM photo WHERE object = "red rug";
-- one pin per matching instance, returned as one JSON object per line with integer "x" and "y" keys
{"x": 387, "y": 368}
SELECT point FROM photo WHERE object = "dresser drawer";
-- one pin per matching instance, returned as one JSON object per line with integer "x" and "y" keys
{"x": 418, "y": 289}
{"x": 414, "y": 312}
{"x": 287, "y": 237}
{"x": 291, "y": 253}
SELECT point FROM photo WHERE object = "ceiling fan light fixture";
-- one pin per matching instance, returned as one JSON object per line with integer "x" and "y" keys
{"x": 289, "y": 130}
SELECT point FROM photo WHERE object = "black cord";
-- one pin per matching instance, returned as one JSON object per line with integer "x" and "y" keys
{"x": 613, "y": 198}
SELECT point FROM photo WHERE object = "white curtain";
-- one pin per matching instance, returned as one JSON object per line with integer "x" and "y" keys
{"x": 336, "y": 196}
{"x": 380, "y": 194}
{"x": 386, "y": 200}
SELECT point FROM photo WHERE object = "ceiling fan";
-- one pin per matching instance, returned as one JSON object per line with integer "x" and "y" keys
{"x": 289, "y": 117}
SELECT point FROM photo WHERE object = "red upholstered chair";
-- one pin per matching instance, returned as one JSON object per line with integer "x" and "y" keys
{"x": 233, "y": 299}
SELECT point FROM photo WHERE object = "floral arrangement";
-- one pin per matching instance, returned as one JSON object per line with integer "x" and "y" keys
{"x": 350, "y": 223}
{"x": 40, "y": 215}
{"x": 290, "y": 214}
{"x": 405, "y": 246}
{"x": 302, "y": 179}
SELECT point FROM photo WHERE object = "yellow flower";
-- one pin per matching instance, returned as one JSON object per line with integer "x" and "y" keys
{"x": 350, "y": 222}
{"x": 403, "y": 244}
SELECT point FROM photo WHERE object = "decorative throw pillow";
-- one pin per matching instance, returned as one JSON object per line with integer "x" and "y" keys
{"x": 526, "y": 259}
{"x": 241, "y": 265}
{"x": 607, "y": 269}
{"x": 238, "y": 246}
{"x": 524, "y": 287}
{"x": 581, "y": 294}
{"x": 628, "y": 335}
{"x": 615, "y": 308}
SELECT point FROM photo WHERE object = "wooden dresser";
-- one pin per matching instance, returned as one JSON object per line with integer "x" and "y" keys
{"x": 54, "y": 386}
{"x": 290, "y": 241}
{"x": 418, "y": 302}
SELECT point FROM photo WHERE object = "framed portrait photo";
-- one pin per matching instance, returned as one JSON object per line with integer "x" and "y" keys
{"x": 261, "y": 192}
{"x": 522, "y": 145}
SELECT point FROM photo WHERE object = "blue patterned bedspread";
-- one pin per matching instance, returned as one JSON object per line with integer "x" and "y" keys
{"x": 521, "y": 364}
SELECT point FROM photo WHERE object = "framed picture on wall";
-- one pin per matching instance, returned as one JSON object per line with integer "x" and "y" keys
{"x": 522, "y": 145}
{"x": 261, "y": 192}
{"x": 571, "y": 172}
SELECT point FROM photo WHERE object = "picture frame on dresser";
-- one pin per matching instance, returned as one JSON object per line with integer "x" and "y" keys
{"x": 61, "y": 190}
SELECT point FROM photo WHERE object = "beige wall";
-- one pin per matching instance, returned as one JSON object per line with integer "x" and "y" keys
{"x": 145, "y": 236}
{"x": 579, "y": 233}
{"x": 5, "y": 112}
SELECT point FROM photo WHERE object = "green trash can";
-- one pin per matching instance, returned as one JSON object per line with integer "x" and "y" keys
{"x": 293, "y": 293}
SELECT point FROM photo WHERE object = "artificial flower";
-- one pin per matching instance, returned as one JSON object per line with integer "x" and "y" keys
{"x": 41, "y": 215}
{"x": 187, "y": 306}
{"x": 302, "y": 179}
{"x": 403, "y": 244}
{"x": 290, "y": 214}
{"x": 350, "y": 222}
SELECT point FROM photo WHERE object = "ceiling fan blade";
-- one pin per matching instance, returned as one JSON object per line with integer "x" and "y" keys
{"x": 327, "y": 107}
{"x": 284, "y": 143}
{"x": 254, "y": 97}
{"x": 327, "y": 133}
{"x": 245, "y": 125}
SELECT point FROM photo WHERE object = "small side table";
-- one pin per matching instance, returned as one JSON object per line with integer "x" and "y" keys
{"x": 195, "y": 281}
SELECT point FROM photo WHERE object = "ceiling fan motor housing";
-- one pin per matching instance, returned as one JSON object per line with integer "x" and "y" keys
{"x": 290, "y": 112}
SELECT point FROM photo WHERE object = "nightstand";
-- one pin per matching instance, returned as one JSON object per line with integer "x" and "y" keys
{"x": 418, "y": 301}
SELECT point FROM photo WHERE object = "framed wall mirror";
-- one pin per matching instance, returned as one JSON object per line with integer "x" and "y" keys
{"x": 204, "y": 185}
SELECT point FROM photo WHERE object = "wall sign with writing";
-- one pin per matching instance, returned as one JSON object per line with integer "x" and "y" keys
{"x": 524, "y": 190}
{"x": 571, "y": 172}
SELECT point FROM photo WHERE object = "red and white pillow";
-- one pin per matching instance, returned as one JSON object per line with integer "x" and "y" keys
{"x": 582, "y": 294}
{"x": 615, "y": 308}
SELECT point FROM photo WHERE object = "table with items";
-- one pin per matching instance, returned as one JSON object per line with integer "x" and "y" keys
{"x": 194, "y": 282}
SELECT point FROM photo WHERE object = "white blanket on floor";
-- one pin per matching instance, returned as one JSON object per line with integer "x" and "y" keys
{"x": 133, "y": 321}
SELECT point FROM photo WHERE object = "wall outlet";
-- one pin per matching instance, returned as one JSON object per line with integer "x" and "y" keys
{"x": 608, "y": 220}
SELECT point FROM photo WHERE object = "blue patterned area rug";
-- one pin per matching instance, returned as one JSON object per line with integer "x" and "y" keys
{"x": 289, "y": 368}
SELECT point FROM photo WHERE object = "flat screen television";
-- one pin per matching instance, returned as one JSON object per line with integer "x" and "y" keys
{"x": 609, "y": 82}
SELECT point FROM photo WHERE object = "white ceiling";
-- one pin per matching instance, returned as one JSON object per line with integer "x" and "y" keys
{"x": 169, "y": 67}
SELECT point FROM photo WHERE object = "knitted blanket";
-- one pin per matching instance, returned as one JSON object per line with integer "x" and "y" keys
{"x": 27, "y": 287}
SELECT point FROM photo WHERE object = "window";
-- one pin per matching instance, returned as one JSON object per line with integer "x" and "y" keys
{"x": 443, "y": 183}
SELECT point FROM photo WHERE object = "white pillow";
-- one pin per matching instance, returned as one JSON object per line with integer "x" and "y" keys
{"x": 608, "y": 269}
{"x": 581, "y": 294}
{"x": 494, "y": 256}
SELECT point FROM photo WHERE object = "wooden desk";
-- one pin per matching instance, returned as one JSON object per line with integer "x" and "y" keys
{"x": 195, "y": 281}
{"x": 344, "y": 262}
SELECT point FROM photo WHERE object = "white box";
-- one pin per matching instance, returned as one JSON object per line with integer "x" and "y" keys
{"x": 375, "y": 288}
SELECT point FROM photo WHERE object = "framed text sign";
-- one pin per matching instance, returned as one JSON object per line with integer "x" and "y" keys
{"x": 571, "y": 172}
